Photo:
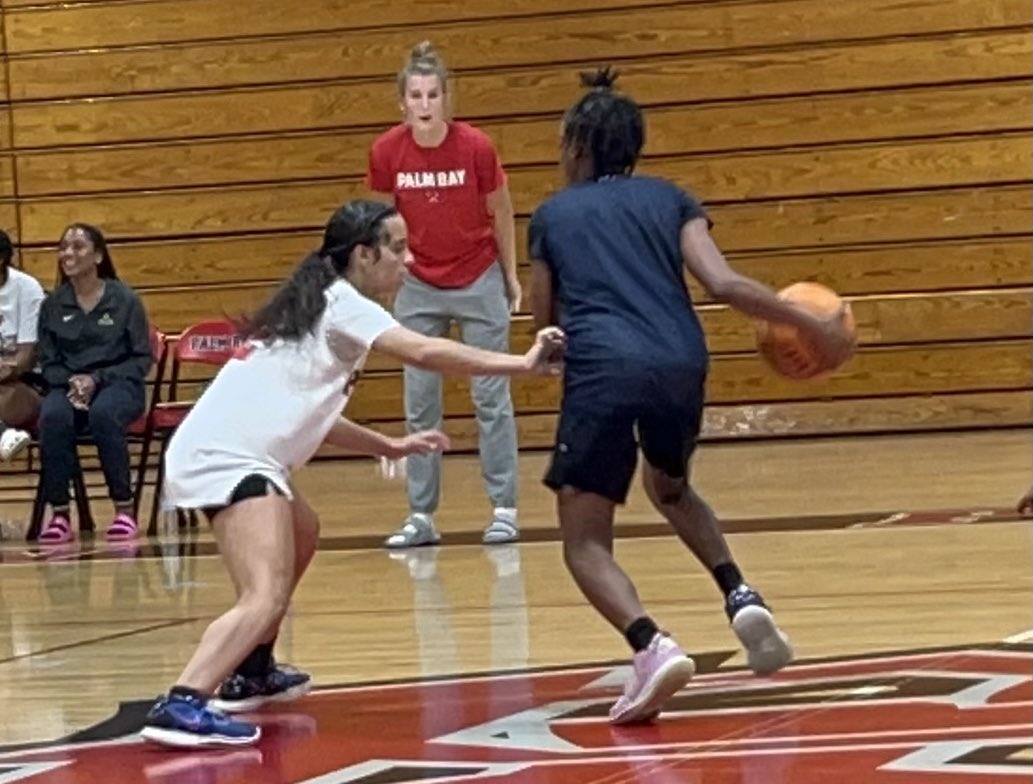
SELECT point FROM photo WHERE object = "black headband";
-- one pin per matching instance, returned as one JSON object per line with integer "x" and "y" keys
{"x": 383, "y": 211}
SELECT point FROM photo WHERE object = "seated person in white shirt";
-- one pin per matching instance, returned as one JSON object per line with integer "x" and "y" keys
{"x": 20, "y": 298}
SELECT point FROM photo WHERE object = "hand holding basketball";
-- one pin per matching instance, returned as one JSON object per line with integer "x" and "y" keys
{"x": 836, "y": 340}
{"x": 802, "y": 352}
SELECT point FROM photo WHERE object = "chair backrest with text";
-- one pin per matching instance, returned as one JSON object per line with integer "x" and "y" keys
{"x": 212, "y": 343}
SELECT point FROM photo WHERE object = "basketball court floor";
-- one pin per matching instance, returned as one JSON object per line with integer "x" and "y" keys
{"x": 896, "y": 564}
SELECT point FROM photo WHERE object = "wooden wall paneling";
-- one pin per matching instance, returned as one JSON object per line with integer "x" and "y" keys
{"x": 9, "y": 217}
{"x": 193, "y": 261}
{"x": 755, "y": 123}
{"x": 868, "y": 415}
{"x": 5, "y": 128}
{"x": 7, "y": 190}
{"x": 547, "y": 90}
{"x": 495, "y": 43}
{"x": 892, "y": 217}
{"x": 680, "y": 130}
{"x": 174, "y": 308}
{"x": 49, "y": 26}
{"x": 900, "y": 267}
{"x": 789, "y": 222}
{"x": 839, "y": 169}
{"x": 187, "y": 212}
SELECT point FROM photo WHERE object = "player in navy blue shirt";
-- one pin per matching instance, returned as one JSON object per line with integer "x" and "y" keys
{"x": 608, "y": 257}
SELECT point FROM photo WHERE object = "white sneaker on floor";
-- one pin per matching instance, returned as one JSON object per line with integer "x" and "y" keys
{"x": 767, "y": 647}
{"x": 416, "y": 531}
{"x": 12, "y": 442}
{"x": 503, "y": 527}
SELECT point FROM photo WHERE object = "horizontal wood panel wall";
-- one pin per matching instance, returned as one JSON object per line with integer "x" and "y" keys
{"x": 879, "y": 147}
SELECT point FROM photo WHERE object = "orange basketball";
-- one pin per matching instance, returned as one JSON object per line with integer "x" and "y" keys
{"x": 782, "y": 346}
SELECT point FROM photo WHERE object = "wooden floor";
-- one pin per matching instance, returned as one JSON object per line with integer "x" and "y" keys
{"x": 891, "y": 544}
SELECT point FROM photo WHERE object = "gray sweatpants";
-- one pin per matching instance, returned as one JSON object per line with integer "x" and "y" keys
{"x": 481, "y": 312}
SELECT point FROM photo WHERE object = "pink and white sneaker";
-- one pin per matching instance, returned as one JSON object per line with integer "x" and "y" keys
{"x": 660, "y": 671}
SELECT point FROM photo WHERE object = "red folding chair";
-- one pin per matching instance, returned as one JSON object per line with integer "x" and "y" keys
{"x": 211, "y": 343}
{"x": 140, "y": 430}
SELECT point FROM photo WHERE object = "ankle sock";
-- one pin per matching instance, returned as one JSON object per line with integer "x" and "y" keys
{"x": 640, "y": 633}
{"x": 727, "y": 576}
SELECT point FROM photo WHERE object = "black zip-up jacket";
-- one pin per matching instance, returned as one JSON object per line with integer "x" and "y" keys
{"x": 111, "y": 342}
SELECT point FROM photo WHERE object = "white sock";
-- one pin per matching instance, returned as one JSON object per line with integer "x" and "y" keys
{"x": 506, "y": 514}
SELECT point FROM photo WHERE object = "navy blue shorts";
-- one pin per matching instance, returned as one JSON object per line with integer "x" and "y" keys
{"x": 606, "y": 418}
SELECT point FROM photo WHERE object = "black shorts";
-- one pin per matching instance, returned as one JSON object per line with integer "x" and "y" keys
{"x": 251, "y": 486}
{"x": 605, "y": 420}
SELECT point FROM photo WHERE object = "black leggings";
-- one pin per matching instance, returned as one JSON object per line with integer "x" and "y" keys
{"x": 112, "y": 410}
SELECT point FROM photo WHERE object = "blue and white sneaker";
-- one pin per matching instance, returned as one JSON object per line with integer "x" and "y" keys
{"x": 239, "y": 694}
{"x": 189, "y": 722}
{"x": 767, "y": 647}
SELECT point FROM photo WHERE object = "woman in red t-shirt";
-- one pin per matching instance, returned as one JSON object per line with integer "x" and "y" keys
{"x": 446, "y": 180}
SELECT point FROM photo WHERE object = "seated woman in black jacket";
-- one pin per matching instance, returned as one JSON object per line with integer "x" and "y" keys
{"x": 94, "y": 352}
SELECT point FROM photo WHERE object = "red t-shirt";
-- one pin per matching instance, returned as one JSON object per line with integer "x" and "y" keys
{"x": 440, "y": 191}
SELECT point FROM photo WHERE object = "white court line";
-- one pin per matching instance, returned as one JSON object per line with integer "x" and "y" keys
{"x": 966, "y": 731}
{"x": 1025, "y": 636}
{"x": 740, "y": 753}
{"x": 810, "y": 706}
{"x": 43, "y": 751}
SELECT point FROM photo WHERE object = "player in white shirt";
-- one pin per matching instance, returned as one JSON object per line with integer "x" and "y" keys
{"x": 264, "y": 415}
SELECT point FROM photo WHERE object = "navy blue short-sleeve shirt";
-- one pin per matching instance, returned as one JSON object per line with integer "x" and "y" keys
{"x": 613, "y": 247}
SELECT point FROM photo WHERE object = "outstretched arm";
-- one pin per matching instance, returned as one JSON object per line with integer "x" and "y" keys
{"x": 448, "y": 356}
{"x": 708, "y": 265}
{"x": 356, "y": 438}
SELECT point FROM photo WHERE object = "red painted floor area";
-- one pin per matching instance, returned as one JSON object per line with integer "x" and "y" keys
{"x": 950, "y": 717}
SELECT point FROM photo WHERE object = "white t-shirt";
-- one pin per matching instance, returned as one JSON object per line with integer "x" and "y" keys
{"x": 20, "y": 298}
{"x": 268, "y": 412}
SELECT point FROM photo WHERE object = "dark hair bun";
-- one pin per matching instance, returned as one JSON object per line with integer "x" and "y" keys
{"x": 600, "y": 79}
